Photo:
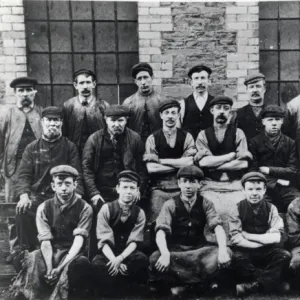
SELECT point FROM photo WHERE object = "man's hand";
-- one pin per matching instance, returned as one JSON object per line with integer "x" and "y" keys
{"x": 114, "y": 265}
{"x": 163, "y": 262}
{"x": 264, "y": 170}
{"x": 224, "y": 259}
{"x": 283, "y": 182}
{"x": 53, "y": 276}
{"x": 123, "y": 269}
{"x": 23, "y": 204}
{"x": 95, "y": 200}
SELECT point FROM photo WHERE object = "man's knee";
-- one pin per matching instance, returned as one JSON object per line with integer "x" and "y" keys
{"x": 295, "y": 260}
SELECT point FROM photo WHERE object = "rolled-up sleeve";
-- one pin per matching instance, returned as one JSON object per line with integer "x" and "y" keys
{"x": 151, "y": 153}
{"x": 212, "y": 217}
{"x": 235, "y": 228}
{"x": 241, "y": 142}
{"x": 85, "y": 222}
{"x": 137, "y": 233}
{"x": 293, "y": 223}
{"x": 275, "y": 221}
{"x": 164, "y": 219}
{"x": 43, "y": 227}
{"x": 189, "y": 146}
{"x": 202, "y": 145}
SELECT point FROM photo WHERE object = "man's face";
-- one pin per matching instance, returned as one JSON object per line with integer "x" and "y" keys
{"x": 256, "y": 92}
{"x": 25, "y": 95}
{"x": 116, "y": 125}
{"x": 254, "y": 191}
{"x": 188, "y": 186}
{"x": 64, "y": 187}
{"x": 84, "y": 84}
{"x": 170, "y": 116}
{"x": 200, "y": 81}
{"x": 221, "y": 113}
{"x": 272, "y": 125}
{"x": 51, "y": 127}
{"x": 144, "y": 82}
{"x": 128, "y": 191}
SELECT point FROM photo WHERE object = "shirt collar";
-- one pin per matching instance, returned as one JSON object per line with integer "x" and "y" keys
{"x": 188, "y": 203}
{"x": 170, "y": 131}
{"x": 205, "y": 96}
{"x": 82, "y": 99}
{"x": 30, "y": 107}
{"x": 68, "y": 205}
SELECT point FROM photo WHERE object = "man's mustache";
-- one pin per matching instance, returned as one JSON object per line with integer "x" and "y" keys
{"x": 255, "y": 94}
{"x": 221, "y": 117}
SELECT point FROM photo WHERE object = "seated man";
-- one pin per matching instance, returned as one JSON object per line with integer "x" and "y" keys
{"x": 274, "y": 155}
{"x": 120, "y": 230}
{"x": 255, "y": 232}
{"x": 63, "y": 223}
{"x": 222, "y": 153}
{"x": 167, "y": 150}
{"x": 185, "y": 256}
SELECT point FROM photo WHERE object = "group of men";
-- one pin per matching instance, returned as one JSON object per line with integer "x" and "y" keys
{"x": 91, "y": 180}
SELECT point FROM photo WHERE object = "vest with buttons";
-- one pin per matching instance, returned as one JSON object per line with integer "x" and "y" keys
{"x": 27, "y": 137}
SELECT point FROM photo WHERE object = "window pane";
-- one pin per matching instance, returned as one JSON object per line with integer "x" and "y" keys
{"x": 127, "y": 10}
{"x": 43, "y": 96}
{"x": 105, "y": 36}
{"x": 126, "y": 61}
{"x": 268, "y": 34}
{"x": 36, "y": 10}
{"x": 37, "y": 35}
{"x": 81, "y": 10}
{"x": 271, "y": 96}
{"x": 82, "y": 37}
{"x": 104, "y": 10}
{"x": 128, "y": 36}
{"x": 62, "y": 93}
{"x": 62, "y": 68}
{"x": 268, "y": 10}
{"x": 83, "y": 61}
{"x": 35, "y": 61}
{"x": 269, "y": 65}
{"x": 106, "y": 68}
{"x": 288, "y": 91}
{"x": 108, "y": 93}
{"x": 289, "y": 9}
{"x": 289, "y": 65}
{"x": 127, "y": 90}
{"x": 59, "y": 10}
{"x": 289, "y": 34}
{"x": 60, "y": 36}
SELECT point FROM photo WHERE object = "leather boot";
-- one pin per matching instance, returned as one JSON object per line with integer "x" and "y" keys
{"x": 244, "y": 289}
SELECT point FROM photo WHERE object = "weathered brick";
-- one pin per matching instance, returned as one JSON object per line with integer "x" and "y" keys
{"x": 156, "y": 66}
{"x": 157, "y": 81}
{"x": 253, "y": 3}
{"x": 241, "y": 88}
{"x": 162, "y": 58}
{"x": 21, "y": 74}
{"x": 5, "y": 27}
{"x": 163, "y": 74}
{"x": 155, "y": 43}
{"x": 242, "y": 41}
{"x": 166, "y": 19}
{"x": 241, "y": 81}
{"x": 11, "y": 2}
{"x": 253, "y": 10}
{"x": 149, "y": 35}
{"x": 161, "y": 27}
{"x": 148, "y": 4}
{"x": 18, "y": 10}
{"x": 236, "y": 10}
{"x": 231, "y": 18}
{"x": 144, "y": 43}
{"x": 5, "y": 11}
{"x": 8, "y": 43}
{"x": 248, "y": 65}
{"x": 236, "y": 73}
{"x": 143, "y": 11}
{"x": 253, "y": 42}
{"x": 14, "y": 51}
{"x": 145, "y": 58}
{"x": 150, "y": 50}
{"x": 160, "y": 11}
{"x": 166, "y": 66}
{"x": 149, "y": 19}
{"x": 21, "y": 59}
{"x": 18, "y": 27}
{"x": 13, "y": 35}
{"x": 247, "y": 33}
{"x": 8, "y": 59}
{"x": 236, "y": 25}
{"x": 247, "y": 18}
{"x": 12, "y": 19}
{"x": 237, "y": 57}
{"x": 232, "y": 65}
{"x": 243, "y": 97}
{"x": 144, "y": 27}
{"x": 248, "y": 49}
{"x": 253, "y": 57}
{"x": 253, "y": 25}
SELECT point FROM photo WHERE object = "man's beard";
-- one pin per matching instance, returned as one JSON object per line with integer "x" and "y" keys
{"x": 26, "y": 102}
{"x": 51, "y": 134}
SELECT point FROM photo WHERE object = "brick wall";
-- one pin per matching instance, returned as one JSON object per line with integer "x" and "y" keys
{"x": 12, "y": 46}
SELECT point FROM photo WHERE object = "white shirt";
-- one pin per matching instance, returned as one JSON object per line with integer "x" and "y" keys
{"x": 200, "y": 100}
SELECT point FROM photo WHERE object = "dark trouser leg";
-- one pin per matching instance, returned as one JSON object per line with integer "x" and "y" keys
{"x": 137, "y": 264}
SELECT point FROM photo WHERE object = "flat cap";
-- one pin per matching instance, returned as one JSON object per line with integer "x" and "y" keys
{"x": 64, "y": 170}
{"x": 253, "y": 176}
{"x": 117, "y": 110}
{"x": 190, "y": 172}
{"x": 23, "y": 81}
{"x": 84, "y": 71}
{"x": 272, "y": 111}
{"x": 52, "y": 111}
{"x": 221, "y": 100}
{"x": 167, "y": 104}
{"x": 130, "y": 175}
{"x": 141, "y": 67}
{"x": 254, "y": 78}
{"x": 198, "y": 69}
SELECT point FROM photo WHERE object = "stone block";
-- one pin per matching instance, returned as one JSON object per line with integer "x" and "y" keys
{"x": 242, "y": 41}
{"x": 236, "y": 26}
{"x": 145, "y": 58}
{"x": 150, "y": 50}
{"x": 148, "y": 4}
{"x": 149, "y": 19}
{"x": 234, "y": 57}
{"x": 232, "y": 65}
{"x": 247, "y": 18}
{"x": 253, "y": 57}
{"x": 12, "y": 19}
{"x": 8, "y": 43}
{"x": 232, "y": 10}
{"x": 21, "y": 59}
{"x": 163, "y": 74}
{"x": 162, "y": 58}
{"x": 156, "y": 43}
{"x": 253, "y": 25}
{"x": 14, "y": 51}
{"x": 231, "y": 18}
{"x": 241, "y": 81}
{"x": 157, "y": 81}
{"x": 247, "y": 33}
{"x": 5, "y": 27}
{"x": 21, "y": 74}
{"x": 253, "y": 10}
{"x": 156, "y": 66}
{"x": 13, "y": 34}
{"x": 166, "y": 19}
{"x": 160, "y": 11}
{"x": 167, "y": 66}
{"x": 252, "y": 3}
{"x": 11, "y": 3}
{"x": 144, "y": 27}
{"x": 143, "y": 11}
{"x": 243, "y": 97}
{"x": 161, "y": 27}
{"x": 5, "y": 10}
{"x": 248, "y": 65}
{"x": 20, "y": 43}
{"x": 144, "y": 43}
{"x": 236, "y": 73}
{"x": 149, "y": 35}
{"x": 248, "y": 49}
{"x": 18, "y": 27}
{"x": 18, "y": 10}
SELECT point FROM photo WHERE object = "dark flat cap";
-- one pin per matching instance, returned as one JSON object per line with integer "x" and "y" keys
{"x": 221, "y": 100}
{"x": 23, "y": 81}
{"x": 168, "y": 104}
{"x": 254, "y": 78}
{"x": 190, "y": 172}
{"x": 253, "y": 176}
{"x": 198, "y": 69}
{"x": 272, "y": 111}
{"x": 64, "y": 170}
{"x": 84, "y": 71}
{"x": 117, "y": 110}
{"x": 52, "y": 111}
{"x": 130, "y": 175}
{"x": 141, "y": 67}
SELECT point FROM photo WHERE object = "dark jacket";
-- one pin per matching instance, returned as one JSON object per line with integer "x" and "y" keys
{"x": 281, "y": 160}
{"x": 132, "y": 156}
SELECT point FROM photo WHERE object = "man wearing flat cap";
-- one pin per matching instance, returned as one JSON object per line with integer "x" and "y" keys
{"x": 33, "y": 186}
{"x": 256, "y": 231}
{"x": 120, "y": 233}
{"x": 195, "y": 112}
{"x": 274, "y": 154}
{"x": 184, "y": 256}
{"x": 84, "y": 113}
{"x": 143, "y": 105}
{"x": 19, "y": 125}
{"x": 63, "y": 223}
{"x": 167, "y": 150}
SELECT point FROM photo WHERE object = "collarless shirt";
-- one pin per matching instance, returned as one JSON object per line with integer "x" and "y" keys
{"x": 200, "y": 100}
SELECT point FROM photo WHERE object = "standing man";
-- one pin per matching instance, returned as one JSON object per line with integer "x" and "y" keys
{"x": 19, "y": 126}
{"x": 195, "y": 112}
{"x": 167, "y": 150}
{"x": 143, "y": 105}
{"x": 83, "y": 114}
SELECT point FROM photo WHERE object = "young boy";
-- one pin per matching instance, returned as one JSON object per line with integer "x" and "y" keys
{"x": 120, "y": 229}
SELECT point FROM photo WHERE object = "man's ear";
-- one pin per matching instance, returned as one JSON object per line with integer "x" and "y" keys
{"x": 94, "y": 83}
{"x": 75, "y": 84}
{"x": 211, "y": 110}
{"x": 53, "y": 186}
{"x": 75, "y": 183}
